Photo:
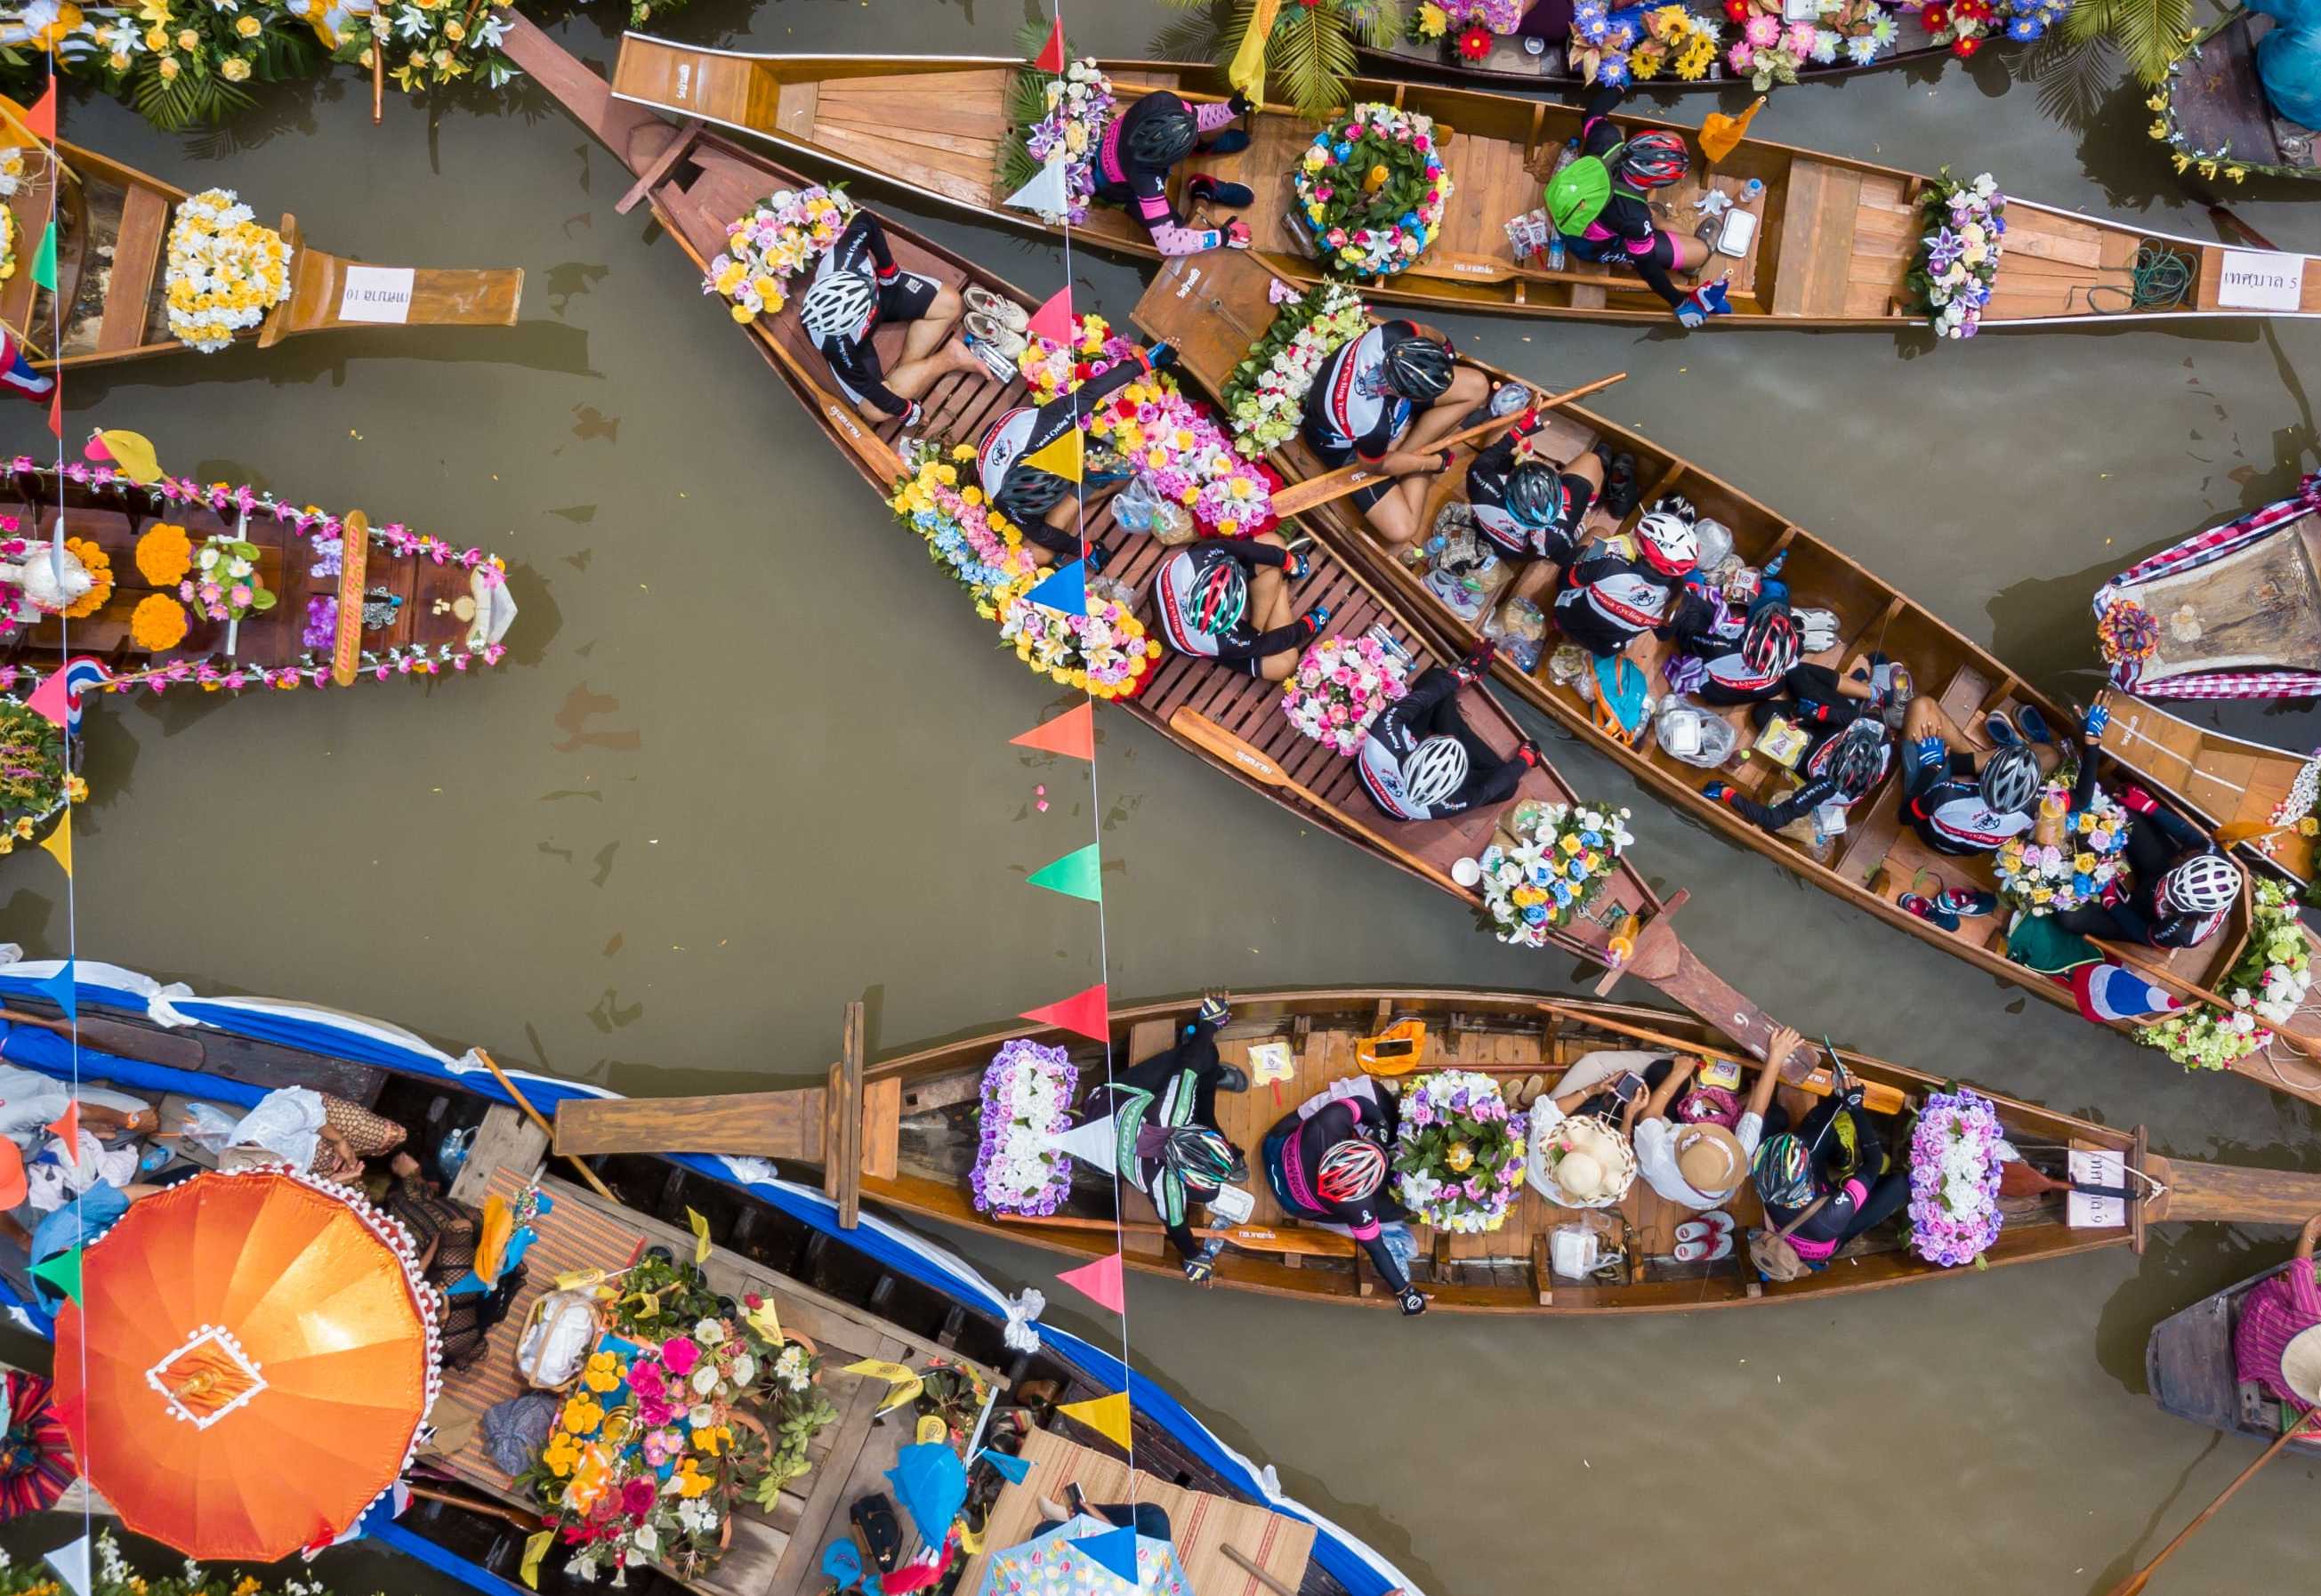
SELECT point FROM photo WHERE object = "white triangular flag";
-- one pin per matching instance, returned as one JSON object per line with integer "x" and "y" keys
{"x": 1097, "y": 1142}
{"x": 71, "y": 1564}
{"x": 1045, "y": 193}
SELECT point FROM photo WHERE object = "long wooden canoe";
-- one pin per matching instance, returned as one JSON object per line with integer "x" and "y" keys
{"x": 918, "y": 1116}
{"x": 2190, "y": 1371}
{"x": 2228, "y": 782}
{"x": 1836, "y": 240}
{"x": 2217, "y": 110}
{"x": 853, "y": 1295}
{"x": 1214, "y": 307}
{"x": 406, "y": 603}
{"x": 1509, "y": 66}
{"x": 698, "y": 182}
{"x": 112, "y": 228}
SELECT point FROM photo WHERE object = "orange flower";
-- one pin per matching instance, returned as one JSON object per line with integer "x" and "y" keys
{"x": 158, "y": 622}
{"x": 165, "y": 554}
{"x": 99, "y": 565}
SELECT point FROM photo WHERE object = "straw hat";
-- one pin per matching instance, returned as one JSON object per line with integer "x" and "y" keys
{"x": 2300, "y": 1363}
{"x": 1709, "y": 1158}
{"x": 1581, "y": 1162}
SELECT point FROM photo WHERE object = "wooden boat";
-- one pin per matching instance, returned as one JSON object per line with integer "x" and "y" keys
{"x": 2216, "y": 108}
{"x": 697, "y": 182}
{"x": 872, "y": 1292}
{"x": 2242, "y": 600}
{"x": 2190, "y": 1369}
{"x": 918, "y": 1117}
{"x": 406, "y": 603}
{"x": 2230, "y": 783}
{"x": 1510, "y": 67}
{"x": 1837, "y": 237}
{"x": 112, "y": 227}
{"x": 1214, "y": 309}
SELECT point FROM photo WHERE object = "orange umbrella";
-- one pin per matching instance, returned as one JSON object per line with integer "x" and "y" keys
{"x": 249, "y": 1364}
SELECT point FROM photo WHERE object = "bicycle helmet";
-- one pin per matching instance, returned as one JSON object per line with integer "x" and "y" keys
{"x": 1419, "y": 370}
{"x": 1783, "y": 1170}
{"x": 1654, "y": 161}
{"x": 1858, "y": 759}
{"x": 838, "y": 307}
{"x": 2010, "y": 780}
{"x": 1028, "y": 493}
{"x": 1164, "y": 135}
{"x": 1669, "y": 544}
{"x": 1350, "y": 1171}
{"x": 1437, "y": 768}
{"x": 2204, "y": 884}
{"x": 1219, "y": 598}
{"x": 1534, "y": 493}
{"x": 1770, "y": 644}
{"x": 1201, "y": 1158}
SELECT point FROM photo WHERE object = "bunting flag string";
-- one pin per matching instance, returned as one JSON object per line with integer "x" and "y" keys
{"x": 66, "y": 1126}
{"x": 1075, "y": 875}
{"x": 58, "y": 844}
{"x": 1053, "y": 320}
{"x": 1086, "y": 1013}
{"x": 1048, "y": 192}
{"x": 1015, "y": 1469}
{"x": 1063, "y": 590}
{"x": 1115, "y": 1550}
{"x": 71, "y": 1560}
{"x": 1107, "y": 1415}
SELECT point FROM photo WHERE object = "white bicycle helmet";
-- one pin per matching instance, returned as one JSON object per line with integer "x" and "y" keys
{"x": 2204, "y": 884}
{"x": 2010, "y": 780}
{"x": 1668, "y": 543}
{"x": 1437, "y": 768}
{"x": 837, "y": 305}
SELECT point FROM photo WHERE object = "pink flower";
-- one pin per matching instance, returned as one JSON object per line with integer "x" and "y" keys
{"x": 1741, "y": 58}
{"x": 647, "y": 1380}
{"x": 1422, "y": 143}
{"x": 1322, "y": 193}
{"x": 680, "y": 1353}
{"x": 1801, "y": 38}
{"x": 637, "y": 1498}
{"x": 1763, "y": 29}
{"x": 241, "y": 596}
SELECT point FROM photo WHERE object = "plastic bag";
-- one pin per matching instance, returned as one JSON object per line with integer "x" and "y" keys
{"x": 1173, "y": 525}
{"x": 556, "y": 1342}
{"x": 1134, "y": 505}
{"x": 1716, "y": 541}
{"x": 1694, "y": 736}
{"x": 207, "y": 1127}
{"x": 1520, "y": 630}
{"x": 1572, "y": 1250}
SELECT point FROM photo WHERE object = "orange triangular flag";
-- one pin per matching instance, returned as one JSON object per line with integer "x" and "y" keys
{"x": 59, "y": 842}
{"x": 1087, "y": 1013}
{"x": 1050, "y": 58}
{"x": 41, "y": 118}
{"x": 67, "y": 1126}
{"x": 56, "y": 412}
{"x": 1071, "y": 733}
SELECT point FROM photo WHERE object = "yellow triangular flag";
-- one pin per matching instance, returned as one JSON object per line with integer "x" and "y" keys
{"x": 1106, "y": 1416}
{"x": 970, "y": 1541}
{"x": 59, "y": 841}
{"x": 536, "y": 1547}
{"x": 1062, "y": 457}
{"x": 700, "y": 1238}
{"x": 14, "y": 133}
{"x": 766, "y": 1322}
{"x": 134, "y": 452}
{"x": 1247, "y": 72}
{"x": 931, "y": 1428}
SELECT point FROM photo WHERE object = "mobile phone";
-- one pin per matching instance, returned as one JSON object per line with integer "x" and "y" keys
{"x": 1393, "y": 1047}
{"x": 1628, "y": 1088}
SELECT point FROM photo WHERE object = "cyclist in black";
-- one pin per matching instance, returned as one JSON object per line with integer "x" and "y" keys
{"x": 1598, "y": 202}
{"x": 1420, "y": 762}
{"x": 1963, "y": 803}
{"x": 1330, "y": 1165}
{"x": 1386, "y": 398}
{"x": 1836, "y": 1154}
{"x": 1227, "y": 600}
{"x": 1752, "y": 666}
{"x": 856, "y": 287}
{"x": 1842, "y": 768}
{"x": 1530, "y": 510}
{"x": 1608, "y": 600}
{"x": 1043, "y": 506}
{"x": 2184, "y": 886}
{"x": 1153, "y": 134}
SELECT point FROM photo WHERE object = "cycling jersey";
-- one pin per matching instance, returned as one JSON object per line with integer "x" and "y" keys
{"x": 1170, "y": 1089}
{"x": 1624, "y": 230}
{"x": 1430, "y": 709}
{"x": 2157, "y": 842}
{"x": 1943, "y": 799}
{"x": 1174, "y": 585}
{"x": 902, "y": 296}
{"x": 1350, "y": 410}
{"x": 1026, "y": 430}
{"x": 1293, "y": 1154}
{"x": 1486, "y": 487}
{"x": 1608, "y": 600}
{"x": 1122, "y": 180}
{"x": 1818, "y": 788}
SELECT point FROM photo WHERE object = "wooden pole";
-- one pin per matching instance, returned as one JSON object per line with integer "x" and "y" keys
{"x": 1876, "y": 1095}
{"x": 378, "y": 72}
{"x": 1243, "y": 1561}
{"x": 540, "y": 1120}
{"x": 2141, "y": 1577}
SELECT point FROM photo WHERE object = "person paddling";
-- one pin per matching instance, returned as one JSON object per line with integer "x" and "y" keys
{"x": 1141, "y": 145}
{"x": 1388, "y": 399}
{"x": 858, "y": 286}
{"x": 1531, "y": 509}
{"x": 1598, "y": 204}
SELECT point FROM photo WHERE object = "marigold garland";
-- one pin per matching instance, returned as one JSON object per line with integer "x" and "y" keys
{"x": 158, "y": 623}
{"x": 99, "y": 566}
{"x": 165, "y": 554}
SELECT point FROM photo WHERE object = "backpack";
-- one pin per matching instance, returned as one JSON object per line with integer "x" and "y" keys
{"x": 1580, "y": 189}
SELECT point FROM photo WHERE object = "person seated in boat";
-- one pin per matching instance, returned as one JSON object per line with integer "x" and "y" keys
{"x": 30, "y": 1101}
{"x": 2280, "y": 1322}
{"x": 317, "y": 1133}
{"x": 1840, "y": 768}
{"x": 1387, "y": 399}
{"x": 1326, "y": 1162}
{"x": 1742, "y": 664}
{"x": 1163, "y": 1116}
{"x": 1530, "y": 509}
{"x": 2288, "y": 59}
{"x": 2185, "y": 885}
{"x": 1420, "y": 762}
{"x": 1043, "y": 505}
{"x": 1831, "y": 1177}
{"x": 1227, "y": 600}
{"x": 1610, "y": 599}
{"x": 857, "y": 287}
{"x": 1599, "y": 203}
{"x": 1965, "y": 803}
{"x": 1139, "y": 147}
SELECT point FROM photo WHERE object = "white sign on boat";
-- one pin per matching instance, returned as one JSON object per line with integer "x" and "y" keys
{"x": 2254, "y": 280}
{"x": 376, "y": 294}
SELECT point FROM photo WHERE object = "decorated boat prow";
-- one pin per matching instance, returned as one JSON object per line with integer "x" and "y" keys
{"x": 2191, "y": 1371}
{"x": 2216, "y": 116}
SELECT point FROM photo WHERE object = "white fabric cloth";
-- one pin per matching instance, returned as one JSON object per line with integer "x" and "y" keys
{"x": 1655, "y": 1140}
{"x": 50, "y": 1181}
{"x": 30, "y": 1101}
{"x": 287, "y": 1123}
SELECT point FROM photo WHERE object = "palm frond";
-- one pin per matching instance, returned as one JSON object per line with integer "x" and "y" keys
{"x": 176, "y": 103}
{"x": 2144, "y": 32}
{"x": 2075, "y": 76}
{"x": 1195, "y": 36}
{"x": 1026, "y": 99}
{"x": 1313, "y": 56}
{"x": 1033, "y": 33}
{"x": 1376, "y": 22}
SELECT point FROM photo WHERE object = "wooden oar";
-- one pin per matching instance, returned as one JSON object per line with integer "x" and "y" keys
{"x": 1262, "y": 1238}
{"x": 1300, "y": 496}
{"x": 540, "y": 1120}
{"x": 1241, "y": 1560}
{"x": 2141, "y": 1577}
{"x": 2178, "y": 984}
{"x": 1876, "y": 1095}
{"x": 118, "y": 1037}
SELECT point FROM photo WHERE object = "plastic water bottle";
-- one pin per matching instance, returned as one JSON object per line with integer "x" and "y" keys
{"x": 1751, "y": 191}
{"x": 1555, "y": 251}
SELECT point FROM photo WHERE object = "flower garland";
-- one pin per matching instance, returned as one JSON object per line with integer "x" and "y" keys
{"x": 1373, "y": 191}
{"x": 36, "y": 777}
{"x": 113, "y": 1577}
{"x": 1340, "y": 685}
{"x": 789, "y": 230}
{"x": 1860, "y": 30}
{"x": 2266, "y": 989}
{"x": 1104, "y": 652}
{"x": 1458, "y": 1154}
{"x": 1955, "y": 1159}
{"x": 1080, "y": 104}
{"x": 98, "y": 564}
{"x": 1027, "y": 1098}
{"x": 1265, "y": 397}
{"x": 1958, "y": 256}
{"x": 2126, "y": 633}
{"x": 225, "y": 584}
{"x": 225, "y": 271}
{"x": 2049, "y": 878}
{"x": 1967, "y": 25}
{"x": 1769, "y": 50}
{"x": 1558, "y": 859}
{"x": 2183, "y": 154}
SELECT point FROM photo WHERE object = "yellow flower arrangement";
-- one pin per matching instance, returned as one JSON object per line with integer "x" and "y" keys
{"x": 225, "y": 271}
{"x": 785, "y": 232}
{"x": 158, "y": 623}
{"x": 583, "y": 1414}
{"x": 2309, "y": 826}
{"x": 562, "y": 1454}
{"x": 603, "y": 1372}
{"x": 1432, "y": 22}
{"x": 165, "y": 554}
{"x": 99, "y": 566}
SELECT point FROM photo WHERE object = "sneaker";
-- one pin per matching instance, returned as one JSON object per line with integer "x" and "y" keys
{"x": 2000, "y": 730}
{"x": 1231, "y": 1078}
{"x": 1620, "y": 490}
{"x": 1231, "y": 197}
{"x": 2034, "y": 724}
{"x": 996, "y": 307}
{"x": 1927, "y": 908}
{"x": 1232, "y": 142}
{"x": 1966, "y": 903}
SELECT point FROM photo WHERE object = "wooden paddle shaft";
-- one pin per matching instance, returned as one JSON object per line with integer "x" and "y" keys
{"x": 2143, "y": 1576}
{"x": 158, "y": 1047}
{"x": 1258, "y": 1237}
{"x": 2155, "y": 974}
{"x": 1316, "y": 491}
{"x": 540, "y": 1120}
{"x": 1243, "y": 1561}
{"x": 1876, "y": 1095}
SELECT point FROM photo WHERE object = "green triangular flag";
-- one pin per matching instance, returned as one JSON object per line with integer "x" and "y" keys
{"x": 1074, "y": 875}
{"x": 44, "y": 261}
{"x": 63, "y": 1272}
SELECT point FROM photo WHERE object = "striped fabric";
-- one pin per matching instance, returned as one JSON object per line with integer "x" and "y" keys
{"x": 2200, "y": 548}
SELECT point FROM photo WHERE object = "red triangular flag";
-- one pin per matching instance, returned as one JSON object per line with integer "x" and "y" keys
{"x": 41, "y": 118}
{"x": 1053, "y": 320}
{"x": 1050, "y": 58}
{"x": 1087, "y": 1013}
{"x": 68, "y": 1125}
{"x": 1098, "y": 1281}
{"x": 56, "y": 412}
{"x": 1071, "y": 733}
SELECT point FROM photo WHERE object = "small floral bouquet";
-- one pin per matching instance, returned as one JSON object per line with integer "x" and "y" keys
{"x": 1769, "y": 50}
{"x": 225, "y": 272}
{"x": 1339, "y": 688}
{"x": 225, "y": 584}
{"x": 1027, "y": 1096}
{"x": 1104, "y": 652}
{"x": 2266, "y": 989}
{"x": 1958, "y": 256}
{"x": 1558, "y": 859}
{"x": 1373, "y": 191}
{"x": 36, "y": 779}
{"x": 1853, "y": 33}
{"x": 2126, "y": 633}
{"x": 1080, "y": 104}
{"x": 1955, "y": 1159}
{"x": 1051, "y": 369}
{"x": 1457, "y": 1153}
{"x": 1962, "y": 24}
{"x": 429, "y": 43}
{"x": 2077, "y": 868}
{"x": 186, "y": 61}
{"x": 790, "y": 230}
{"x": 1181, "y": 453}
{"x": 1265, "y": 397}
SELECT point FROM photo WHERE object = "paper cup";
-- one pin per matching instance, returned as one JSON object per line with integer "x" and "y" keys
{"x": 1467, "y": 872}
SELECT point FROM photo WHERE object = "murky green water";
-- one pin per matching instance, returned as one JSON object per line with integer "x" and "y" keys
{"x": 749, "y": 759}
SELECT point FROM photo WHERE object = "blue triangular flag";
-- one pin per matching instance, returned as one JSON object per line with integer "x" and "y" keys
{"x": 1011, "y": 1468}
{"x": 1116, "y": 1550}
{"x": 1063, "y": 590}
{"x": 59, "y": 988}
